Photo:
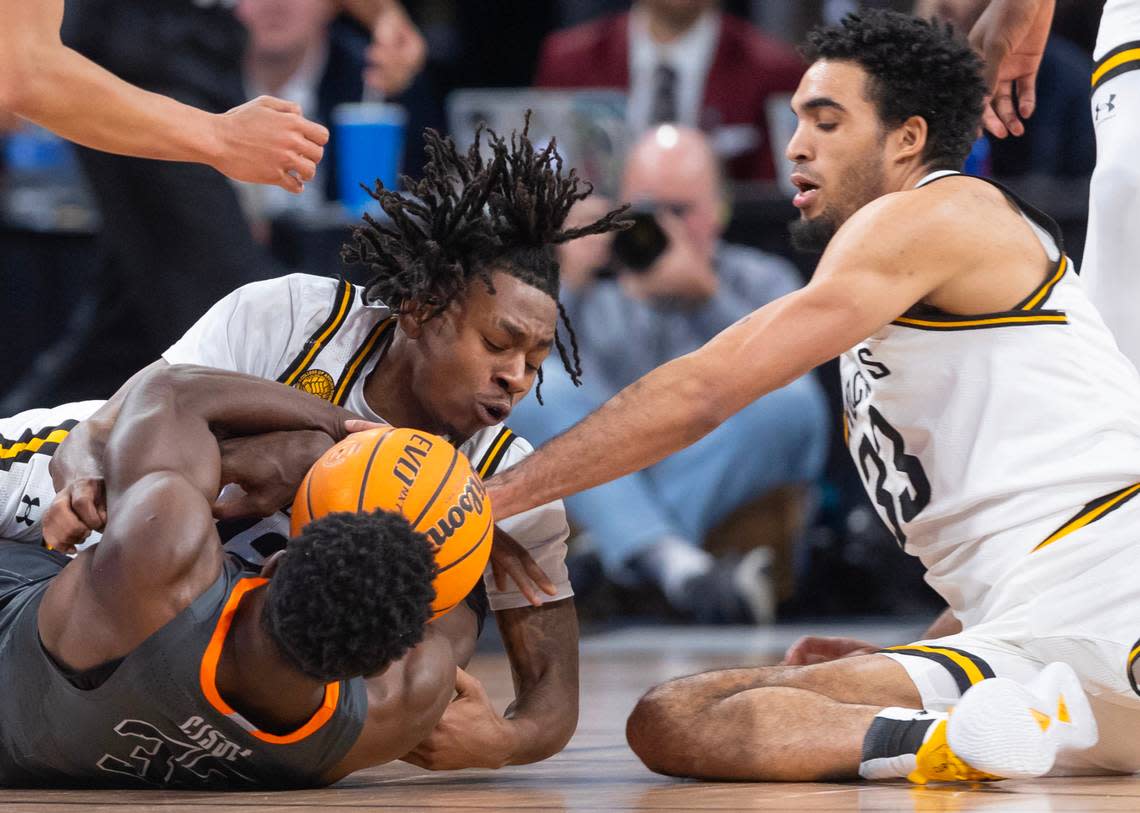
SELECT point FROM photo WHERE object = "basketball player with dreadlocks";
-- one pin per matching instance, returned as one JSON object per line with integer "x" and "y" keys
{"x": 449, "y": 334}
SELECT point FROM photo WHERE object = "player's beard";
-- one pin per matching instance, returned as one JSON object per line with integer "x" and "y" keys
{"x": 863, "y": 184}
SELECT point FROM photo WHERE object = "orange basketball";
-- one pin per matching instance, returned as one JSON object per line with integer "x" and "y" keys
{"x": 419, "y": 475}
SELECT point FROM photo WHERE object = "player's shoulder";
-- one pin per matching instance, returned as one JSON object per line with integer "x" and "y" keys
{"x": 290, "y": 289}
{"x": 928, "y": 217}
{"x": 495, "y": 448}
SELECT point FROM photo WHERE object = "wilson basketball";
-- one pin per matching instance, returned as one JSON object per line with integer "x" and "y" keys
{"x": 419, "y": 475}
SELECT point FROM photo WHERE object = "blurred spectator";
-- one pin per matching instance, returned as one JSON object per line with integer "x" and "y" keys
{"x": 1059, "y": 140}
{"x": 648, "y": 527}
{"x": 296, "y": 52}
{"x": 682, "y": 61}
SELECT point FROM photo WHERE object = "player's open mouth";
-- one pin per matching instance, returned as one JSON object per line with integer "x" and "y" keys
{"x": 809, "y": 190}
{"x": 493, "y": 413}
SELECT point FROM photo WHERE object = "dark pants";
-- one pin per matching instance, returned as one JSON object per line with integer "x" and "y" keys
{"x": 175, "y": 241}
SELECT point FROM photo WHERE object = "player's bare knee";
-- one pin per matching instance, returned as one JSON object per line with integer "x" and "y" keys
{"x": 656, "y": 729}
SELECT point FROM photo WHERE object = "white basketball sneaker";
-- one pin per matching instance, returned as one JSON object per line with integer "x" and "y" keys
{"x": 1002, "y": 729}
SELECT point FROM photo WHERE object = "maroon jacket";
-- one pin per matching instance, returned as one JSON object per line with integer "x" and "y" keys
{"x": 748, "y": 66}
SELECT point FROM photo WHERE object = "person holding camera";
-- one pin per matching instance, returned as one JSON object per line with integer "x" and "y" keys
{"x": 642, "y": 298}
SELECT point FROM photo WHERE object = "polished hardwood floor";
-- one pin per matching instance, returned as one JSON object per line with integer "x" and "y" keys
{"x": 597, "y": 772}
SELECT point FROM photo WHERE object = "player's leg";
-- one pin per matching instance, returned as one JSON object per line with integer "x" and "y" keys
{"x": 1109, "y": 269}
{"x": 876, "y": 716}
{"x": 779, "y": 723}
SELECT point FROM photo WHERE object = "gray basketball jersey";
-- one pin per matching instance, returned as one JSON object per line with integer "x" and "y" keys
{"x": 158, "y": 719}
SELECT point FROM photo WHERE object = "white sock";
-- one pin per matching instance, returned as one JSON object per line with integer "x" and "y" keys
{"x": 672, "y": 561}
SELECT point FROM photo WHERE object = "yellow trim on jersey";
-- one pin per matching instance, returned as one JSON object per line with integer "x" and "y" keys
{"x": 1047, "y": 288}
{"x": 319, "y": 342}
{"x": 957, "y": 324}
{"x": 33, "y": 445}
{"x": 501, "y": 441}
{"x": 349, "y": 374}
{"x": 1090, "y": 514}
{"x": 1131, "y": 55}
{"x": 846, "y": 429}
{"x": 973, "y": 673}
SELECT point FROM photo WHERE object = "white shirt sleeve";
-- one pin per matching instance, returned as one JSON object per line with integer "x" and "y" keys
{"x": 249, "y": 331}
{"x": 543, "y": 531}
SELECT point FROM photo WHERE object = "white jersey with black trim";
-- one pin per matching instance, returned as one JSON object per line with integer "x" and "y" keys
{"x": 317, "y": 334}
{"x": 27, "y": 442}
{"x": 979, "y": 437}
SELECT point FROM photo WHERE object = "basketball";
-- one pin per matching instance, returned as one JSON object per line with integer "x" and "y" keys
{"x": 416, "y": 474}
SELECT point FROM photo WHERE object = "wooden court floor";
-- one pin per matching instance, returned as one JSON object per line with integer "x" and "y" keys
{"x": 597, "y": 772}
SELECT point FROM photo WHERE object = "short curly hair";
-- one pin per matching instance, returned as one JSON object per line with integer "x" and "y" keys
{"x": 917, "y": 68}
{"x": 470, "y": 216}
{"x": 351, "y": 594}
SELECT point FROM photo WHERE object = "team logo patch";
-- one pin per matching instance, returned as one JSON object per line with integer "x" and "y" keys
{"x": 316, "y": 382}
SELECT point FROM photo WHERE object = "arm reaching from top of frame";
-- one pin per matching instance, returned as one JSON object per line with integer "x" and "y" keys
{"x": 42, "y": 80}
{"x": 1011, "y": 35}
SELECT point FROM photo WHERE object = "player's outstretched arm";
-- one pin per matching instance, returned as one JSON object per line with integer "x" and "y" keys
{"x": 871, "y": 273}
{"x": 263, "y": 141}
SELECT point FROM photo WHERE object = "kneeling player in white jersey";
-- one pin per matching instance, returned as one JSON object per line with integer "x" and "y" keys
{"x": 994, "y": 422}
{"x": 449, "y": 334}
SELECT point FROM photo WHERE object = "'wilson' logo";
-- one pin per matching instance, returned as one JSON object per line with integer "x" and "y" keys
{"x": 470, "y": 503}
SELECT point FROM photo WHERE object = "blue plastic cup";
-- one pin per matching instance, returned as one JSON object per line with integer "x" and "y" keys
{"x": 369, "y": 145}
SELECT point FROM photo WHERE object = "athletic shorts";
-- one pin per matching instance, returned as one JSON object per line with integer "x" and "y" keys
{"x": 27, "y": 442}
{"x": 1075, "y": 601}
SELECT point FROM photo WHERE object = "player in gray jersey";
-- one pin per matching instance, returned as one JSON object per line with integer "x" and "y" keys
{"x": 153, "y": 659}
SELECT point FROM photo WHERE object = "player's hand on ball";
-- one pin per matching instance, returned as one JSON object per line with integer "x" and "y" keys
{"x": 79, "y": 508}
{"x": 268, "y": 468}
{"x": 470, "y": 734}
{"x": 820, "y": 649}
{"x": 511, "y": 560}
{"x": 268, "y": 141}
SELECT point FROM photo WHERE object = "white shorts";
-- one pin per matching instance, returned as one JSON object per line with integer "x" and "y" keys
{"x": 1076, "y": 601}
{"x": 1110, "y": 270}
{"x": 27, "y": 442}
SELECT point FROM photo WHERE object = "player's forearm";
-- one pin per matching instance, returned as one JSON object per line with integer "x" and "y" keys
{"x": 666, "y": 410}
{"x": 542, "y": 646}
{"x": 70, "y": 95}
{"x": 239, "y": 404}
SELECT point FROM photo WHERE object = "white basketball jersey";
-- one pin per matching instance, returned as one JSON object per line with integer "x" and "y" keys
{"x": 319, "y": 335}
{"x": 976, "y": 435}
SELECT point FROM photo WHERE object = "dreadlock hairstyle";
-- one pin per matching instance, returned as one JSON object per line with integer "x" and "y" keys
{"x": 469, "y": 217}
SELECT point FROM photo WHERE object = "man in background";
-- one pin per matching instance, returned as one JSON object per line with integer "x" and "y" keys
{"x": 649, "y": 527}
{"x": 298, "y": 51}
{"x": 685, "y": 62}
